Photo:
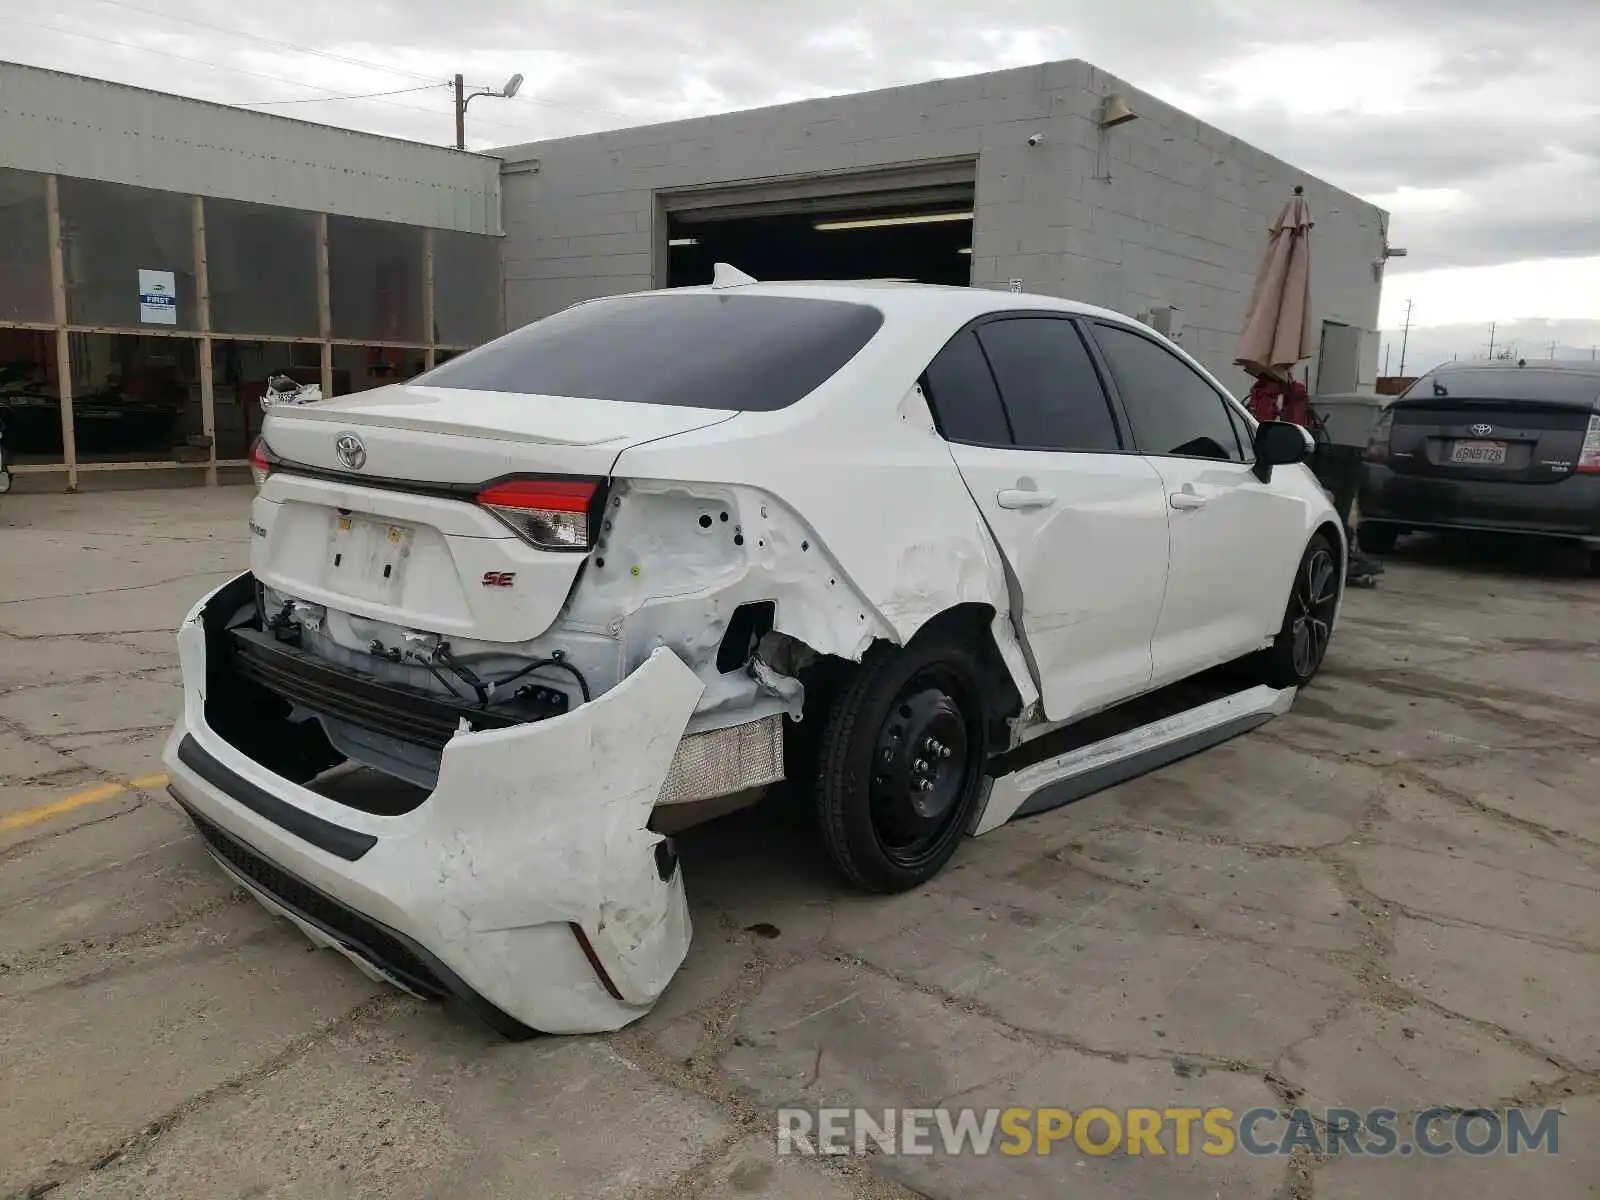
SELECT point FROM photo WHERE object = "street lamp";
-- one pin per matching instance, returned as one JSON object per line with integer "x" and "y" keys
{"x": 513, "y": 85}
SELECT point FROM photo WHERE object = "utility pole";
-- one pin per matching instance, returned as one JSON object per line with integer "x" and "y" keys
{"x": 1552, "y": 350}
{"x": 462, "y": 100}
{"x": 1386, "y": 348}
{"x": 461, "y": 113}
{"x": 1405, "y": 336}
{"x": 1491, "y": 339}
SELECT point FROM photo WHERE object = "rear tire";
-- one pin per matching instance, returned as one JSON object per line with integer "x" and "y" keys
{"x": 901, "y": 764}
{"x": 1377, "y": 539}
{"x": 1296, "y": 655}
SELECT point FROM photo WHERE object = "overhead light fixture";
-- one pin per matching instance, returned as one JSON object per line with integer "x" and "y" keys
{"x": 965, "y": 250}
{"x": 883, "y": 222}
{"x": 683, "y": 241}
{"x": 1115, "y": 111}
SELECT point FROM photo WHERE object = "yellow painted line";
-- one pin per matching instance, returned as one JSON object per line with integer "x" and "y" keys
{"x": 94, "y": 795}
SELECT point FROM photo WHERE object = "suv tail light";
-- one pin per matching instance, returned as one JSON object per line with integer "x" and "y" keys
{"x": 553, "y": 514}
{"x": 260, "y": 461}
{"x": 1589, "y": 456}
{"x": 1378, "y": 440}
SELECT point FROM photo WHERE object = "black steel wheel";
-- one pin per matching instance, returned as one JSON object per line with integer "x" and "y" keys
{"x": 1302, "y": 643}
{"x": 902, "y": 765}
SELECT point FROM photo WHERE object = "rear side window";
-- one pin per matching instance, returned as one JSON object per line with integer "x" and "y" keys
{"x": 1048, "y": 382}
{"x": 961, "y": 392}
{"x": 741, "y": 352}
{"x": 1175, "y": 413}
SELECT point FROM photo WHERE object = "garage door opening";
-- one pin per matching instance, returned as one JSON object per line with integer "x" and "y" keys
{"x": 928, "y": 245}
{"x": 897, "y": 223}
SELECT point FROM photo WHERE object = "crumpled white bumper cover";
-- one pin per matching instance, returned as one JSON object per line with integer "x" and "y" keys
{"x": 527, "y": 885}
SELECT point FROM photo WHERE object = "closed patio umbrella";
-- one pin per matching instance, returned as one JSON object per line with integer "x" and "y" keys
{"x": 1277, "y": 331}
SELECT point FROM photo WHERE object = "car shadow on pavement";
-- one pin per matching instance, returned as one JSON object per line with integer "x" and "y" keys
{"x": 1494, "y": 554}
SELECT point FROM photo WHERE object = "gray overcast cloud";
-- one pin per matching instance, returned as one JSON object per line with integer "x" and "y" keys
{"x": 1473, "y": 121}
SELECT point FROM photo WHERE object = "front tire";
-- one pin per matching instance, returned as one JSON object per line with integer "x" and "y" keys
{"x": 901, "y": 763}
{"x": 1296, "y": 655}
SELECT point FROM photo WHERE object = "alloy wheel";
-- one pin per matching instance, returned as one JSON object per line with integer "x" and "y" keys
{"x": 1316, "y": 596}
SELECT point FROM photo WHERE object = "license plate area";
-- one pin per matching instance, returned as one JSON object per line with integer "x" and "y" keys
{"x": 1491, "y": 454}
{"x": 367, "y": 558}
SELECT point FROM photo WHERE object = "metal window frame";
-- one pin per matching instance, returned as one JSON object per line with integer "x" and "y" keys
{"x": 206, "y": 337}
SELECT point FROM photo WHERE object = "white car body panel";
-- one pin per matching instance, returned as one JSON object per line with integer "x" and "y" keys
{"x": 846, "y": 509}
{"x": 1086, "y": 537}
{"x": 1226, "y": 589}
{"x": 489, "y": 872}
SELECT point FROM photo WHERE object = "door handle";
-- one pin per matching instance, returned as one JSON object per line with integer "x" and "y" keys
{"x": 1017, "y": 498}
{"x": 1187, "y": 500}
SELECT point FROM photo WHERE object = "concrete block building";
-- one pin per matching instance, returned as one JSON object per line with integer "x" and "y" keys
{"x": 1021, "y": 178}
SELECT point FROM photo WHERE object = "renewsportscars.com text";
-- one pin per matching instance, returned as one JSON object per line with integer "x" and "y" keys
{"x": 1178, "y": 1132}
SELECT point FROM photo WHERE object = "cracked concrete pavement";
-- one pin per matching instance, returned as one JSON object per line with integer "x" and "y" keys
{"x": 1388, "y": 897}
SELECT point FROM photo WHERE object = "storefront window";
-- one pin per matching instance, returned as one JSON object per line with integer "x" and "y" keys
{"x": 361, "y": 368}
{"x": 375, "y": 280}
{"x": 466, "y": 287}
{"x": 30, "y": 395}
{"x": 239, "y": 372}
{"x": 261, "y": 265}
{"x": 136, "y": 398}
{"x": 128, "y": 255}
{"x": 24, "y": 248}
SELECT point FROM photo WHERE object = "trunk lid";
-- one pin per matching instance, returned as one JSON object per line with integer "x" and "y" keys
{"x": 1487, "y": 438}
{"x": 406, "y": 431}
{"x": 401, "y": 538}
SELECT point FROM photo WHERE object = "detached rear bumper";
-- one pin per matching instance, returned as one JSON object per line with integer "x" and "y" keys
{"x": 527, "y": 884}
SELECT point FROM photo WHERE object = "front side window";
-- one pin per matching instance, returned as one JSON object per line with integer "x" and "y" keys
{"x": 1174, "y": 412}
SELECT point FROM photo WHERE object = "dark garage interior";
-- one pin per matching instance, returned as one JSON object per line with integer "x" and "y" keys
{"x": 928, "y": 244}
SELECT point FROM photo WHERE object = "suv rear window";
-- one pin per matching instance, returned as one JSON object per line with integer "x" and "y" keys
{"x": 746, "y": 353}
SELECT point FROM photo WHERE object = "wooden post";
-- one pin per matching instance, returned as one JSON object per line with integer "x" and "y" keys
{"x": 324, "y": 305}
{"x": 430, "y": 335}
{"x": 58, "y": 298}
{"x": 202, "y": 292}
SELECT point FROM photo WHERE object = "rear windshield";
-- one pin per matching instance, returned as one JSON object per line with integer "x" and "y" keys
{"x": 746, "y": 353}
{"x": 1529, "y": 384}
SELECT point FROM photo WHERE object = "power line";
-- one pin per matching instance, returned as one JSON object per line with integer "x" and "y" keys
{"x": 355, "y": 62}
{"x": 267, "y": 41}
{"x": 232, "y": 70}
{"x": 421, "y": 87}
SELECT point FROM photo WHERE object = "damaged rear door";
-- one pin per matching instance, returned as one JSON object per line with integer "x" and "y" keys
{"x": 1082, "y": 524}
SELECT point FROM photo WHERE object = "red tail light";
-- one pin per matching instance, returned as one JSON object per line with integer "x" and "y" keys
{"x": 553, "y": 514}
{"x": 260, "y": 462}
{"x": 1589, "y": 456}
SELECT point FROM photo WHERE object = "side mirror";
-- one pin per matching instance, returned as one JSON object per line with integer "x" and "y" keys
{"x": 1281, "y": 444}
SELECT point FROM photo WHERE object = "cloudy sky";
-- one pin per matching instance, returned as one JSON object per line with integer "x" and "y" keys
{"x": 1475, "y": 122}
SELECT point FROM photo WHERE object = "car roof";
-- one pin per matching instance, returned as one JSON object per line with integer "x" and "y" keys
{"x": 1535, "y": 381}
{"x": 897, "y": 296}
{"x": 1566, "y": 365}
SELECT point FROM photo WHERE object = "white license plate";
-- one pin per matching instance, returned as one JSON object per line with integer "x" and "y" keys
{"x": 367, "y": 558}
{"x": 1478, "y": 452}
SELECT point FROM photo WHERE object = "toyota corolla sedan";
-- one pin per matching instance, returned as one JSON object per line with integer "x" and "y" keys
{"x": 1494, "y": 447}
{"x": 661, "y": 549}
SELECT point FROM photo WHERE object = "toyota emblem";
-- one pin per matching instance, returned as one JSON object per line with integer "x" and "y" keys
{"x": 1480, "y": 430}
{"x": 351, "y": 452}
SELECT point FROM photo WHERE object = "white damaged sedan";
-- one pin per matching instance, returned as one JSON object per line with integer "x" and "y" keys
{"x": 932, "y": 558}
